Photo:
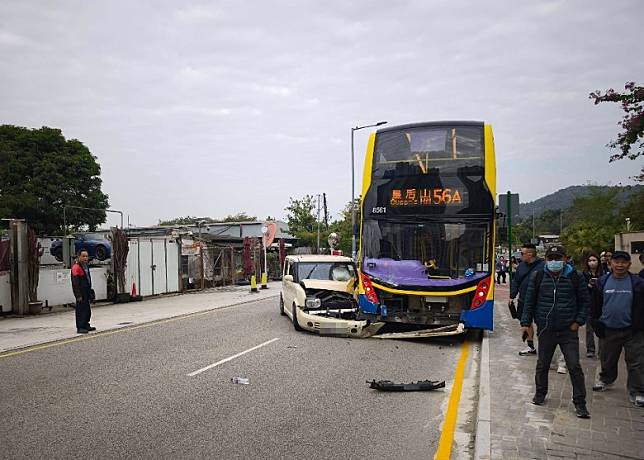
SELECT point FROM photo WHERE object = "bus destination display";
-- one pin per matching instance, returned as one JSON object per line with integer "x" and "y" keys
{"x": 426, "y": 197}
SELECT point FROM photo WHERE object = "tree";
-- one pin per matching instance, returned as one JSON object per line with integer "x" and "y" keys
{"x": 301, "y": 221}
{"x": 632, "y": 100}
{"x": 583, "y": 237}
{"x": 342, "y": 227}
{"x": 190, "y": 220}
{"x": 633, "y": 209}
{"x": 187, "y": 220}
{"x": 239, "y": 217}
{"x": 41, "y": 172}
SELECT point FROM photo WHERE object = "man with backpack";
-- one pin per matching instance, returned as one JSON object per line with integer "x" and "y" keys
{"x": 519, "y": 285}
{"x": 558, "y": 302}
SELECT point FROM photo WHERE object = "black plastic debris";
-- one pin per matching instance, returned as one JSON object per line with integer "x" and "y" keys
{"x": 421, "y": 385}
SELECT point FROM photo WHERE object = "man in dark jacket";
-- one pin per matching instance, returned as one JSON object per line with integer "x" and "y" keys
{"x": 519, "y": 285}
{"x": 558, "y": 302}
{"x": 82, "y": 286}
{"x": 618, "y": 317}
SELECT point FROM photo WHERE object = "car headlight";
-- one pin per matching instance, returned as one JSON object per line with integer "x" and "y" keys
{"x": 313, "y": 303}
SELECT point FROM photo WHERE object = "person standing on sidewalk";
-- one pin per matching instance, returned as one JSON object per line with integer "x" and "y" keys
{"x": 618, "y": 316}
{"x": 83, "y": 292}
{"x": 592, "y": 272}
{"x": 604, "y": 258}
{"x": 519, "y": 285}
{"x": 557, "y": 301}
{"x": 501, "y": 270}
{"x": 642, "y": 262}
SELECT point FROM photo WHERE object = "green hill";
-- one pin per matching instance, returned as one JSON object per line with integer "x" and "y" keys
{"x": 563, "y": 199}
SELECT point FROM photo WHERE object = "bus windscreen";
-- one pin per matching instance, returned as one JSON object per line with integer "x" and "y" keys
{"x": 428, "y": 150}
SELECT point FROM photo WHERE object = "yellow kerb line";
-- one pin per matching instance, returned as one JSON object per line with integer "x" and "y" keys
{"x": 447, "y": 435}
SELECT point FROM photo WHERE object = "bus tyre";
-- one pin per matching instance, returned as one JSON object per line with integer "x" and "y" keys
{"x": 282, "y": 306}
{"x": 296, "y": 325}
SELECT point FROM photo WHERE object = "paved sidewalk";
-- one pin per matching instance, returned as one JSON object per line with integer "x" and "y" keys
{"x": 34, "y": 330}
{"x": 520, "y": 429}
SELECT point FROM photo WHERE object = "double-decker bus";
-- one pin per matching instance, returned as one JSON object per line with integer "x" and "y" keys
{"x": 427, "y": 225}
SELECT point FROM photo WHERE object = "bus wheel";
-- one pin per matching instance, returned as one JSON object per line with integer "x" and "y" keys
{"x": 282, "y": 306}
{"x": 296, "y": 325}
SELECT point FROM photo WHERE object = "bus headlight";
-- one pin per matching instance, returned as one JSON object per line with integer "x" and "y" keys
{"x": 313, "y": 303}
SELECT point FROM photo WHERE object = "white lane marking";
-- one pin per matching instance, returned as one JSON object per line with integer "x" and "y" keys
{"x": 230, "y": 358}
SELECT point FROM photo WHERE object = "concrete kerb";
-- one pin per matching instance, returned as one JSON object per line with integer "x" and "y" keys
{"x": 482, "y": 442}
{"x": 26, "y": 346}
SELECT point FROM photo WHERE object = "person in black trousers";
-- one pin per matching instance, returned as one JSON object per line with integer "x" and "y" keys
{"x": 618, "y": 317}
{"x": 592, "y": 272}
{"x": 82, "y": 286}
{"x": 557, "y": 300}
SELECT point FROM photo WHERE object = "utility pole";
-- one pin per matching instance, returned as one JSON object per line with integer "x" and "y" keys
{"x": 318, "y": 224}
{"x": 533, "y": 236}
{"x": 509, "y": 201}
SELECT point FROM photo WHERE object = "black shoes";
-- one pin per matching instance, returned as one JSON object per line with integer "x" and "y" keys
{"x": 581, "y": 411}
{"x": 82, "y": 331}
{"x": 91, "y": 328}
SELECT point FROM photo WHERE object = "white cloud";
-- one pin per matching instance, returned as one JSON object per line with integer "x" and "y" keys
{"x": 10, "y": 39}
{"x": 190, "y": 74}
{"x": 239, "y": 81}
{"x": 273, "y": 90}
{"x": 198, "y": 14}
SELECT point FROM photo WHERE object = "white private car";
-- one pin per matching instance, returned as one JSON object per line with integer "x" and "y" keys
{"x": 318, "y": 295}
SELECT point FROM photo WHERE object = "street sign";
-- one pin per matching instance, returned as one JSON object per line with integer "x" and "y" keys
{"x": 269, "y": 229}
{"x": 514, "y": 201}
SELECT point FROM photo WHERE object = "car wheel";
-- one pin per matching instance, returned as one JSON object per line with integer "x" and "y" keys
{"x": 296, "y": 325}
{"x": 282, "y": 312}
{"x": 101, "y": 252}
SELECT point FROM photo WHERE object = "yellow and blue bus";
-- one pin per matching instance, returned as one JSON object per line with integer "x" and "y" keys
{"x": 427, "y": 225}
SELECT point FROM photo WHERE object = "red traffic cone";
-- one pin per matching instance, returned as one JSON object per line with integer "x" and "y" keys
{"x": 133, "y": 293}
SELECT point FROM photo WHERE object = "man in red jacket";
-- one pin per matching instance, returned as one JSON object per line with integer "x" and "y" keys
{"x": 82, "y": 286}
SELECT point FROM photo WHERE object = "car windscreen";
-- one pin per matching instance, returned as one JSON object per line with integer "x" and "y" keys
{"x": 327, "y": 271}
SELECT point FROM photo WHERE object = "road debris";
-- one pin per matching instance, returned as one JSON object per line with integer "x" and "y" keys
{"x": 455, "y": 329}
{"x": 240, "y": 380}
{"x": 421, "y": 385}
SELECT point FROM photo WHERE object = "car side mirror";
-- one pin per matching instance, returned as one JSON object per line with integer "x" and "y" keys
{"x": 287, "y": 278}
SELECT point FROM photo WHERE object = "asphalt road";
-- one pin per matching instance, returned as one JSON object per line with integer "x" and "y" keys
{"x": 128, "y": 394}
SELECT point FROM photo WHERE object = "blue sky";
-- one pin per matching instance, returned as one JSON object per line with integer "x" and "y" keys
{"x": 213, "y": 108}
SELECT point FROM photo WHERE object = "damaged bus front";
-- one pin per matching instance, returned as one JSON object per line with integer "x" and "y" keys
{"x": 427, "y": 226}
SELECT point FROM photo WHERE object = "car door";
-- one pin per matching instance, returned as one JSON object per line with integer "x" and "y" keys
{"x": 288, "y": 288}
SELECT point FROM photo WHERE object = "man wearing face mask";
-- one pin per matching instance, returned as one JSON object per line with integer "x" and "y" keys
{"x": 557, "y": 300}
{"x": 618, "y": 317}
